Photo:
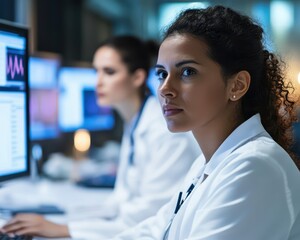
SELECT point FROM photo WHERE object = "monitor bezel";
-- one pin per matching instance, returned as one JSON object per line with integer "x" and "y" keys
{"x": 24, "y": 32}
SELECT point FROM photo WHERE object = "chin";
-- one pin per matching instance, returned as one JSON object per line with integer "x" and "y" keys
{"x": 103, "y": 103}
{"x": 175, "y": 128}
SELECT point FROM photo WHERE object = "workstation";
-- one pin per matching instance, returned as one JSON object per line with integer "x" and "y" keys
{"x": 61, "y": 147}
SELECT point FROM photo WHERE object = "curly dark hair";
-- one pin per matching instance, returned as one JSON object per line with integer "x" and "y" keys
{"x": 235, "y": 42}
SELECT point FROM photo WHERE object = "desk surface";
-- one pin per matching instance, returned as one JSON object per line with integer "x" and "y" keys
{"x": 78, "y": 202}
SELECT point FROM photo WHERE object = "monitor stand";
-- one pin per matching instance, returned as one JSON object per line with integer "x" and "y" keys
{"x": 36, "y": 156}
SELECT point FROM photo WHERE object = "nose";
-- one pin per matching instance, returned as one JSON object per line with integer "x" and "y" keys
{"x": 99, "y": 80}
{"x": 167, "y": 88}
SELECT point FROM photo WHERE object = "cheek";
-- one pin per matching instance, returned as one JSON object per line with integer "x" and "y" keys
{"x": 160, "y": 98}
{"x": 205, "y": 102}
{"x": 118, "y": 88}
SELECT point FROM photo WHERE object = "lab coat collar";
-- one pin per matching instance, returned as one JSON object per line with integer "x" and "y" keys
{"x": 243, "y": 133}
{"x": 149, "y": 115}
{"x": 143, "y": 121}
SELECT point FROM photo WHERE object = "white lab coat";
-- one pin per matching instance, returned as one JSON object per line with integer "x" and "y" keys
{"x": 252, "y": 192}
{"x": 161, "y": 160}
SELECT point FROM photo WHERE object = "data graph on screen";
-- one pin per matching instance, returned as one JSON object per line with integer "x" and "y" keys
{"x": 14, "y": 65}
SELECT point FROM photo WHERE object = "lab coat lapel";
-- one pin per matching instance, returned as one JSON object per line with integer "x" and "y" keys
{"x": 244, "y": 133}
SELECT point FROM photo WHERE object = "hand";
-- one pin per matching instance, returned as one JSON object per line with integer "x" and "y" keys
{"x": 34, "y": 225}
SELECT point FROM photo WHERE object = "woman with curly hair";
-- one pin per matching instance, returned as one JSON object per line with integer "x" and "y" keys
{"x": 218, "y": 80}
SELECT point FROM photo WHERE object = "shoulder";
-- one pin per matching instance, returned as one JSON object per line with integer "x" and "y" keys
{"x": 264, "y": 162}
{"x": 263, "y": 151}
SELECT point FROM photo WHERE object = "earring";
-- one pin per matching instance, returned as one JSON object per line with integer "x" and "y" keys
{"x": 233, "y": 96}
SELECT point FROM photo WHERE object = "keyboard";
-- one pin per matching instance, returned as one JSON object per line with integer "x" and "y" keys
{"x": 41, "y": 209}
{"x": 6, "y": 237}
{"x": 102, "y": 181}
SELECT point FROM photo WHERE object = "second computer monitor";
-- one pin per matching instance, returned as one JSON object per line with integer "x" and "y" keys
{"x": 43, "y": 73}
{"x": 78, "y": 108}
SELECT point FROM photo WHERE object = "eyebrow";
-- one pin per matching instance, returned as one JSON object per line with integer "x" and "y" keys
{"x": 185, "y": 62}
{"x": 179, "y": 63}
{"x": 159, "y": 66}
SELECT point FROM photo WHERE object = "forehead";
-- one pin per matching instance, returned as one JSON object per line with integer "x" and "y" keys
{"x": 107, "y": 54}
{"x": 183, "y": 46}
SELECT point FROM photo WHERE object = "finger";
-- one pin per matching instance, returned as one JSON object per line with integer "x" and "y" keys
{"x": 11, "y": 221}
{"x": 16, "y": 219}
{"x": 26, "y": 215}
{"x": 11, "y": 235}
{"x": 20, "y": 220}
{"x": 28, "y": 231}
{"x": 13, "y": 227}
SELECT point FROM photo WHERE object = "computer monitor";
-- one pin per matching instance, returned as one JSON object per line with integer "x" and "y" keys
{"x": 152, "y": 82}
{"x": 78, "y": 108}
{"x": 14, "y": 120}
{"x": 296, "y": 134}
{"x": 43, "y": 73}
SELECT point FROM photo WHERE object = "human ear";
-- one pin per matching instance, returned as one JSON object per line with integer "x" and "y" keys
{"x": 239, "y": 85}
{"x": 139, "y": 77}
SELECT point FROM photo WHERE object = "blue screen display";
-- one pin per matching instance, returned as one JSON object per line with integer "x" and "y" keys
{"x": 43, "y": 98}
{"x": 78, "y": 108}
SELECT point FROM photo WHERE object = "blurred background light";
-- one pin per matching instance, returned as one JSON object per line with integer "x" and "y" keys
{"x": 261, "y": 13}
{"x": 82, "y": 140}
{"x": 282, "y": 16}
{"x": 169, "y": 11}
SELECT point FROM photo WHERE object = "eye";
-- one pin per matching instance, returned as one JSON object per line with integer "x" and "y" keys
{"x": 161, "y": 74}
{"x": 187, "y": 72}
{"x": 109, "y": 71}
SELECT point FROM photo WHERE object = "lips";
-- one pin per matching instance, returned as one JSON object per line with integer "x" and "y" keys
{"x": 171, "y": 110}
{"x": 100, "y": 95}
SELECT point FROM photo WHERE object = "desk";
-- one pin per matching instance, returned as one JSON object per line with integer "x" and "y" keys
{"x": 78, "y": 202}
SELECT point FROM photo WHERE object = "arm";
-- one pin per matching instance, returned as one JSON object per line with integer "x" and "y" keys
{"x": 36, "y": 225}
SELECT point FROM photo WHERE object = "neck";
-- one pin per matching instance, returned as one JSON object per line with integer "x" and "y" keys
{"x": 129, "y": 108}
{"x": 212, "y": 135}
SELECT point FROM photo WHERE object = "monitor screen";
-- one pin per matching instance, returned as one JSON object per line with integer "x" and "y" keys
{"x": 14, "y": 127}
{"x": 43, "y": 73}
{"x": 78, "y": 107}
{"x": 296, "y": 135}
{"x": 152, "y": 82}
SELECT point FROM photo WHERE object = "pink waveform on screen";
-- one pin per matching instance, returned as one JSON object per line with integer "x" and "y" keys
{"x": 15, "y": 66}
